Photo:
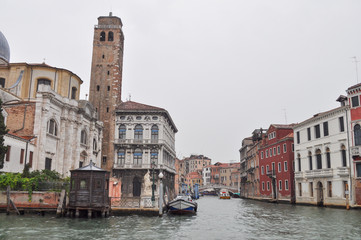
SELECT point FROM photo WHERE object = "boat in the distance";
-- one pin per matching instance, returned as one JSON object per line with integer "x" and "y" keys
{"x": 182, "y": 205}
{"x": 223, "y": 194}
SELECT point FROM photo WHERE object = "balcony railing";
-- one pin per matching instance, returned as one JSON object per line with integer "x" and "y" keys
{"x": 138, "y": 141}
{"x": 356, "y": 151}
{"x": 271, "y": 173}
{"x": 343, "y": 171}
{"x": 298, "y": 175}
{"x": 317, "y": 173}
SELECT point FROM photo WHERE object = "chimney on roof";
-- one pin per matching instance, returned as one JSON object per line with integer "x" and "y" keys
{"x": 342, "y": 99}
{"x": 110, "y": 14}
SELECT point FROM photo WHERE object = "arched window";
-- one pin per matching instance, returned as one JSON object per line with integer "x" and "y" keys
{"x": 44, "y": 82}
{"x": 73, "y": 92}
{"x": 121, "y": 157}
{"x": 137, "y": 158}
{"x": 102, "y": 36}
{"x": 343, "y": 155}
{"x": 319, "y": 159}
{"x": 2, "y": 82}
{"x": 310, "y": 160}
{"x": 154, "y": 157}
{"x": 94, "y": 144}
{"x": 138, "y": 132}
{"x": 357, "y": 134}
{"x": 122, "y": 131}
{"x": 328, "y": 157}
{"x": 155, "y": 132}
{"x": 110, "y": 36}
{"x": 52, "y": 127}
{"x": 299, "y": 162}
{"x": 83, "y": 137}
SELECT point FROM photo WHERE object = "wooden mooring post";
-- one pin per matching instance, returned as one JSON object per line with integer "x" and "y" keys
{"x": 10, "y": 202}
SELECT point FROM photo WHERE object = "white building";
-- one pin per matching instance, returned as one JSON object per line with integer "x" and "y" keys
{"x": 42, "y": 103}
{"x": 20, "y": 152}
{"x": 206, "y": 175}
{"x": 144, "y": 141}
{"x": 322, "y": 161}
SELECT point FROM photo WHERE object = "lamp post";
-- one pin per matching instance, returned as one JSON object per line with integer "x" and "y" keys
{"x": 160, "y": 193}
{"x": 153, "y": 185}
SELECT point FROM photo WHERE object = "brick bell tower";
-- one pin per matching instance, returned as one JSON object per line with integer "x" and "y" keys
{"x": 106, "y": 79}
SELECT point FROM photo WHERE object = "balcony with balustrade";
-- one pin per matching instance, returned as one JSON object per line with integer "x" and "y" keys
{"x": 319, "y": 173}
{"x": 299, "y": 175}
{"x": 343, "y": 171}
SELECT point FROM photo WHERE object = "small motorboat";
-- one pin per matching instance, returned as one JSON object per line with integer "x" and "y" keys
{"x": 224, "y": 195}
{"x": 182, "y": 205}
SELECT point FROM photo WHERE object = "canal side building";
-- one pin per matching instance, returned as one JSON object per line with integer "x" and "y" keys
{"x": 354, "y": 126}
{"x": 144, "y": 143}
{"x": 321, "y": 159}
{"x": 276, "y": 164}
{"x": 42, "y": 105}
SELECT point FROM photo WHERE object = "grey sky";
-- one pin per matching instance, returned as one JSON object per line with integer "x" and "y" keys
{"x": 220, "y": 67}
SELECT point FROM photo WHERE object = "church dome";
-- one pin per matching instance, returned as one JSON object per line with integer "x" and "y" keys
{"x": 4, "y": 49}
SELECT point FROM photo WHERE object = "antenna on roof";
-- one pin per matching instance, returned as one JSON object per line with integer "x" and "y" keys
{"x": 285, "y": 114}
{"x": 129, "y": 97}
{"x": 355, "y": 61}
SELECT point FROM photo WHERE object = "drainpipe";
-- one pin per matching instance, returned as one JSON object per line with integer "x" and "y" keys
{"x": 349, "y": 159}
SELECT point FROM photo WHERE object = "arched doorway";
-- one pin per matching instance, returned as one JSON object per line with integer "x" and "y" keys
{"x": 136, "y": 187}
{"x": 319, "y": 194}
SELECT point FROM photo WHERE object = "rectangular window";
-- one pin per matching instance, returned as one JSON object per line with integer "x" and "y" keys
{"x": 299, "y": 164}
{"x": 279, "y": 167}
{"x": 274, "y": 151}
{"x": 262, "y": 155}
{"x": 285, "y": 166}
{"x": 310, "y": 161}
{"x": 268, "y": 186}
{"x": 329, "y": 189}
{"x": 270, "y": 152}
{"x": 300, "y": 189}
{"x": 342, "y": 126}
{"x": 311, "y": 189}
{"x": 267, "y": 153}
{"x": 286, "y": 184}
{"x": 284, "y": 148}
{"x": 104, "y": 159}
{"x": 293, "y": 147}
{"x": 325, "y": 128}
{"x": 355, "y": 101}
{"x": 358, "y": 169}
{"x": 31, "y": 159}
{"x": 8, "y": 153}
{"x": 267, "y": 169}
{"x": 22, "y": 156}
{"x": 298, "y": 137}
{"x": 48, "y": 163}
{"x": 273, "y": 167}
{"x": 262, "y": 170}
{"x": 280, "y": 185}
{"x": 309, "y": 134}
{"x": 345, "y": 188}
{"x": 278, "y": 150}
{"x": 317, "y": 131}
{"x": 344, "y": 160}
{"x": 263, "y": 186}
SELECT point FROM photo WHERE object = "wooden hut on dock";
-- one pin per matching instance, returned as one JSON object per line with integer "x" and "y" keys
{"x": 89, "y": 192}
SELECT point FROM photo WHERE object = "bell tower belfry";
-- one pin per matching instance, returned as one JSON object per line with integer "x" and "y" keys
{"x": 106, "y": 79}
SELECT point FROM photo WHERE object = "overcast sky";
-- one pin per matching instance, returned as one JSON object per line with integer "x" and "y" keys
{"x": 220, "y": 67}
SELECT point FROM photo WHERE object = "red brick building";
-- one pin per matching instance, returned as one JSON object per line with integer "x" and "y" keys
{"x": 276, "y": 163}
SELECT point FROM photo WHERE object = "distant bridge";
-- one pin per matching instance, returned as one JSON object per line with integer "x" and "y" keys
{"x": 218, "y": 187}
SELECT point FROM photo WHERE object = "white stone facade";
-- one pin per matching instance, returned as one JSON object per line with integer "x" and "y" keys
{"x": 162, "y": 148}
{"x": 322, "y": 161}
{"x": 78, "y": 134}
{"x": 17, "y": 156}
{"x": 206, "y": 174}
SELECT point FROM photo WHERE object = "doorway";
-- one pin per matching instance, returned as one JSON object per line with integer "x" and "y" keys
{"x": 136, "y": 187}
{"x": 319, "y": 194}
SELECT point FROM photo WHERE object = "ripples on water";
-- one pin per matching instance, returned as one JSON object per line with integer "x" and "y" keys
{"x": 216, "y": 219}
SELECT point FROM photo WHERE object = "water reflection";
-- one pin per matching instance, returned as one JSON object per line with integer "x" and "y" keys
{"x": 215, "y": 219}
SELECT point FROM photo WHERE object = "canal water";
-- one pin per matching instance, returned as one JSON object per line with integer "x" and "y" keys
{"x": 215, "y": 219}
